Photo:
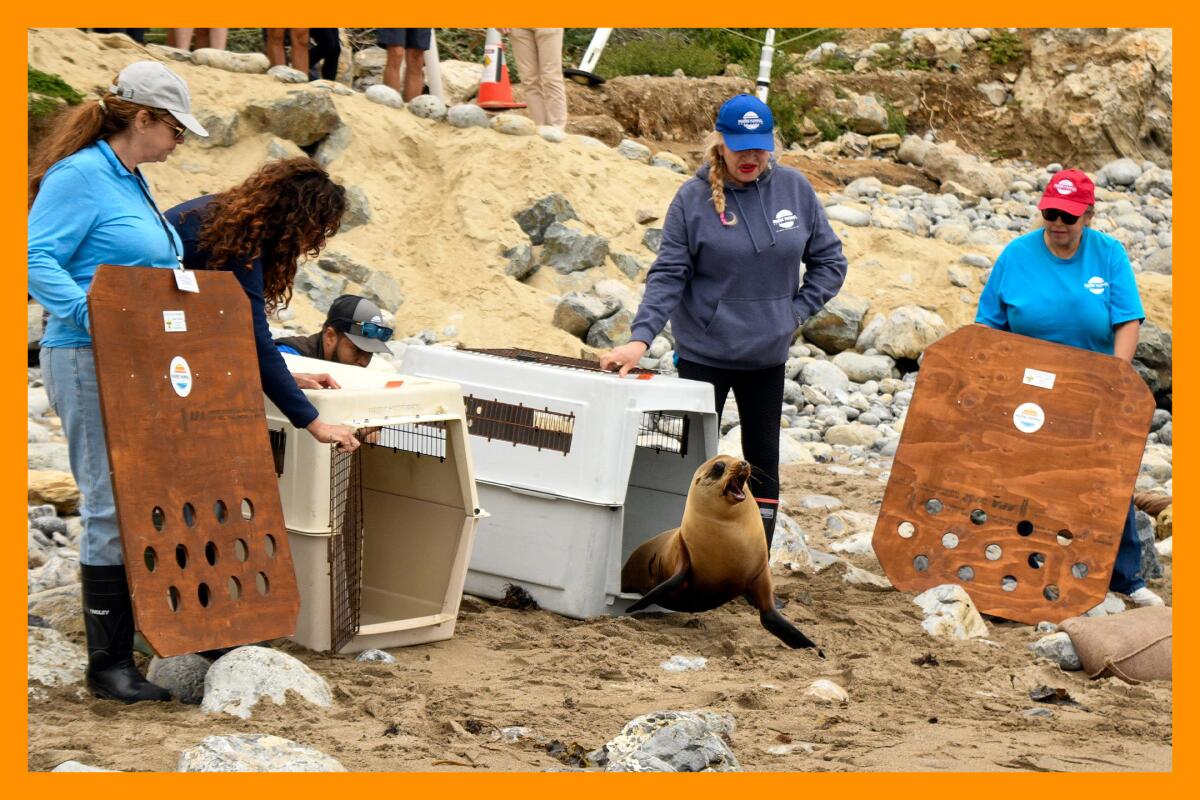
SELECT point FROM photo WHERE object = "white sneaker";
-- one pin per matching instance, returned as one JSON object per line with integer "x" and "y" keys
{"x": 1144, "y": 597}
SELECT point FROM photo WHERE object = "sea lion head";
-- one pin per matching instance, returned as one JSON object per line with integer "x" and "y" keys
{"x": 724, "y": 477}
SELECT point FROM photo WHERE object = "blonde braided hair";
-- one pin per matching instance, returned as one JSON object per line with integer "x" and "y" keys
{"x": 713, "y": 155}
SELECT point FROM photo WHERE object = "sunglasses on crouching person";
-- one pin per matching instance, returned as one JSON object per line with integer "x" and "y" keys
{"x": 1055, "y": 214}
{"x": 370, "y": 330}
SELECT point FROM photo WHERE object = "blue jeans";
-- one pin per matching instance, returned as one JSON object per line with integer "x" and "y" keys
{"x": 70, "y": 377}
{"x": 1126, "y": 574}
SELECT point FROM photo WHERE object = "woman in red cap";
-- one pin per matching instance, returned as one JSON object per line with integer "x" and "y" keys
{"x": 1065, "y": 282}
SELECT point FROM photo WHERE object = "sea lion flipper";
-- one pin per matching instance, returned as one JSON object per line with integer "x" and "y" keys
{"x": 788, "y": 633}
{"x": 668, "y": 586}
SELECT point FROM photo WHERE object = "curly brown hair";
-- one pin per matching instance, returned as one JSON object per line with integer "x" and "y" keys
{"x": 286, "y": 209}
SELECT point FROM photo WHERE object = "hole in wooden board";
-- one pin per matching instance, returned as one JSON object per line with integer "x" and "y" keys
{"x": 262, "y": 584}
{"x": 247, "y": 508}
{"x": 992, "y": 552}
{"x": 1008, "y": 583}
{"x": 203, "y": 595}
{"x": 1050, "y": 592}
{"x": 966, "y": 573}
{"x": 1025, "y": 527}
{"x": 240, "y": 552}
{"x": 210, "y": 553}
{"x": 1065, "y": 537}
{"x": 234, "y": 586}
{"x": 173, "y": 599}
{"x": 151, "y": 559}
{"x": 1079, "y": 569}
{"x": 921, "y": 563}
{"x": 189, "y": 515}
{"x": 906, "y": 530}
{"x": 181, "y": 556}
{"x": 933, "y": 506}
{"x": 950, "y": 541}
{"x": 1037, "y": 560}
{"x": 978, "y": 516}
{"x": 269, "y": 541}
{"x": 158, "y": 518}
{"x": 221, "y": 512}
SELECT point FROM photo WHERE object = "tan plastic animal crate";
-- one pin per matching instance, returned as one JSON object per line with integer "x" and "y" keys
{"x": 381, "y": 538}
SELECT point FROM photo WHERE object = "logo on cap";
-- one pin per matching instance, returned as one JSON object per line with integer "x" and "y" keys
{"x": 750, "y": 121}
{"x": 1064, "y": 186}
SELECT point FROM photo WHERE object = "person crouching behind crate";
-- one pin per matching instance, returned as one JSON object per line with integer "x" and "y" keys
{"x": 728, "y": 277}
{"x": 353, "y": 332}
{"x": 258, "y": 230}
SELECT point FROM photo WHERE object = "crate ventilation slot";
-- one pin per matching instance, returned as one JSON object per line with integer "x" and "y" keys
{"x": 278, "y": 448}
{"x": 664, "y": 432}
{"x": 422, "y": 438}
{"x": 520, "y": 424}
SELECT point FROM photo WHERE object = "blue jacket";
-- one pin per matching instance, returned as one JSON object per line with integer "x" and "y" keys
{"x": 733, "y": 293}
{"x": 90, "y": 210}
{"x": 277, "y": 382}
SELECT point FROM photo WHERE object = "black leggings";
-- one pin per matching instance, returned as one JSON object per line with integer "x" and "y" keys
{"x": 325, "y": 50}
{"x": 759, "y": 395}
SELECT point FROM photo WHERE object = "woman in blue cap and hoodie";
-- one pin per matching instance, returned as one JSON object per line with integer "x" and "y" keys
{"x": 728, "y": 277}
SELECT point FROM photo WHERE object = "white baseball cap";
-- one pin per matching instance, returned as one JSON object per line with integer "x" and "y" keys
{"x": 149, "y": 83}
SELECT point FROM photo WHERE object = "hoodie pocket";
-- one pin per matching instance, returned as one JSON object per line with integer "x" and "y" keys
{"x": 754, "y": 331}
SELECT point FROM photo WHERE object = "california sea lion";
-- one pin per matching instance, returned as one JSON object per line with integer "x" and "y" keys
{"x": 718, "y": 553}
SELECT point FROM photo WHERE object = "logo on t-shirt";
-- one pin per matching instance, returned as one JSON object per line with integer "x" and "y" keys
{"x": 785, "y": 219}
{"x": 1065, "y": 186}
{"x": 750, "y": 121}
{"x": 1096, "y": 284}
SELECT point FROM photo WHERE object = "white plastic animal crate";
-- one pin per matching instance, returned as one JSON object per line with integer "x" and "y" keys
{"x": 576, "y": 467}
{"x": 381, "y": 538}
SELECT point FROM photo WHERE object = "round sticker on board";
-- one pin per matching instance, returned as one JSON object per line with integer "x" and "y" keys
{"x": 1029, "y": 417}
{"x": 181, "y": 376}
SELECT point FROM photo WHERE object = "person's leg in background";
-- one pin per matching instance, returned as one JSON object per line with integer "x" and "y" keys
{"x": 524, "y": 48}
{"x": 1127, "y": 569}
{"x": 553, "y": 91}
{"x": 416, "y": 42}
{"x": 325, "y": 50}
{"x": 300, "y": 49}
{"x": 273, "y": 44}
{"x": 217, "y": 38}
{"x": 71, "y": 385}
{"x": 759, "y": 395}
{"x": 180, "y": 38}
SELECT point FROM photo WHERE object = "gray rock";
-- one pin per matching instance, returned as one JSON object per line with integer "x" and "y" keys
{"x": 1154, "y": 347}
{"x": 286, "y": 74}
{"x": 1154, "y": 181}
{"x": 280, "y": 149}
{"x": 1151, "y": 568}
{"x": 665, "y": 160}
{"x": 852, "y": 435}
{"x": 1161, "y": 417}
{"x": 1159, "y": 261}
{"x": 913, "y": 150}
{"x": 320, "y": 286}
{"x": 239, "y": 679}
{"x": 860, "y": 368}
{"x": 513, "y": 125}
{"x": 544, "y": 213}
{"x": 75, "y": 766}
{"x": 302, "y": 116}
{"x": 552, "y": 134}
{"x": 377, "y": 656}
{"x": 385, "y": 96}
{"x": 826, "y": 377}
{"x": 959, "y": 277}
{"x": 427, "y": 106}
{"x": 334, "y": 145}
{"x": 994, "y": 92}
{"x": 1122, "y": 172}
{"x": 576, "y": 313}
{"x": 947, "y": 162}
{"x": 570, "y": 250}
{"x": 821, "y": 502}
{"x": 673, "y": 741}
{"x": 908, "y": 330}
{"x": 221, "y": 127}
{"x": 864, "y": 114}
{"x": 342, "y": 264}
{"x": 384, "y": 290}
{"x": 254, "y": 752}
{"x": 627, "y": 264}
{"x": 467, "y": 115}
{"x": 976, "y": 260}
{"x": 182, "y": 676}
{"x": 1057, "y": 647}
{"x": 864, "y": 187}
{"x": 652, "y": 239}
{"x": 57, "y": 571}
{"x": 48, "y": 455}
{"x": 853, "y": 217}
{"x": 1164, "y": 434}
{"x": 520, "y": 262}
{"x": 358, "y": 209}
{"x": 611, "y": 331}
{"x": 634, "y": 151}
{"x": 46, "y": 510}
{"x": 332, "y": 86}
{"x": 39, "y": 403}
{"x": 251, "y": 63}
{"x": 53, "y": 659}
{"x": 836, "y": 326}
{"x": 49, "y": 525}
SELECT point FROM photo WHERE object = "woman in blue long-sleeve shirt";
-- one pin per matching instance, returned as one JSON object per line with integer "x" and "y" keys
{"x": 258, "y": 230}
{"x": 90, "y": 205}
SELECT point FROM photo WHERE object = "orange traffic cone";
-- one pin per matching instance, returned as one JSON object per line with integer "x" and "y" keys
{"x": 495, "y": 92}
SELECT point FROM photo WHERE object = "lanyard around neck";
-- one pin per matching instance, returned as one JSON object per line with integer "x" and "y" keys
{"x": 137, "y": 176}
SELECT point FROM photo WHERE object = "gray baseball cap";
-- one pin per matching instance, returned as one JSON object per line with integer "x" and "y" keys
{"x": 361, "y": 321}
{"x": 149, "y": 83}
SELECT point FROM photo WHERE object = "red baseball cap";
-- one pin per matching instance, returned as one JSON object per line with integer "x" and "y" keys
{"x": 1071, "y": 191}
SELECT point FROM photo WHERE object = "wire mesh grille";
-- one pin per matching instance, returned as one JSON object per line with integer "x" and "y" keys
{"x": 422, "y": 438}
{"x": 664, "y": 432}
{"x": 345, "y": 546}
{"x": 520, "y": 424}
{"x": 547, "y": 359}
{"x": 278, "y": 448}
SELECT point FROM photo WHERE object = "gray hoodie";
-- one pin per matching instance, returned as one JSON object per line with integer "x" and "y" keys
{"x": 733, "y": 293}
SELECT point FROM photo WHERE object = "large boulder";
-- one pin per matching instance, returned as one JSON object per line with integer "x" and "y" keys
{"x": 863, "y": 113}
{"x": 253, "y": 63}
{"x": 182, "y": 676}
{"x": 302, "y": 116}
{"x": 221, "y": 127}
{"x": 908, "y": 330}
{"x": 238, "y": 680}
{"x": 672, "y": 741}
{"x": 570, "y": 250}
{"x": 358, "y": 209}
{"x": 1122, "y": 172}
{"x": 542, "y": 214}
{"x": 342, "y": 264}
{"x": 836, "y": 326}
{"x": 460, "y": 80}
{"x": 950, "y": 613}
{"x": 54, "y": 660}
{"x": 611, "y": 331}
{"x": 254, "y": 752}
{"x": 947, "y": 162}
{"x": 826, "y": 377}
{"x": 577, "y": 312}
{"x": 384, "y": 290}
{"x": 53, "y": 487}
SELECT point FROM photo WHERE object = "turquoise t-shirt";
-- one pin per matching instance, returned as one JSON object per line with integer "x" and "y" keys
{"x": 1075, "y": 301}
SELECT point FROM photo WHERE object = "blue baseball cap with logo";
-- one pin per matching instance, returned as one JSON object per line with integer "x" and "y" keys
{"x": 746, "y": 123}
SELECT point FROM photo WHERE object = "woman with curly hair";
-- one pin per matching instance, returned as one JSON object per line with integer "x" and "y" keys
{"x": 259, "y": 230}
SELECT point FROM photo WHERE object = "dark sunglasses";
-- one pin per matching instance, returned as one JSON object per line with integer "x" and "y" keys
{"x": 179, "y": 132}
{"x": 1055, "y": 214}
{"x": 371, "y": 330}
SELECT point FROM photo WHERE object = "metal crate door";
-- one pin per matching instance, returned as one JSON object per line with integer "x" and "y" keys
{"x": 345, "y": 547}
{"x": 197, "y": 501}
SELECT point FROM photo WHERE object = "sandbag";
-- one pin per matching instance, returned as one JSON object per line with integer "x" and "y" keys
{"x": 1134, "y": 646}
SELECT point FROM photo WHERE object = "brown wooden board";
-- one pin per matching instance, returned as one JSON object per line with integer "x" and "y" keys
{"x": 206, "y": 550}
{"x": 1050, "y": 492}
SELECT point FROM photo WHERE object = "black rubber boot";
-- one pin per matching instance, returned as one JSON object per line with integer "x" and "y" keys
{"x": 108, "y": 622}
{"x": 767, "y": 511}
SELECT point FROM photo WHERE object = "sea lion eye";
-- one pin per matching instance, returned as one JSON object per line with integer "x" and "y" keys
{"x": 718, "y": 469}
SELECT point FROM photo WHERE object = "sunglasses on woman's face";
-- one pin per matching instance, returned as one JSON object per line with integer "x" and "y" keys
{"x": 1055, "y": 214}
{"x": 179, "y": 131}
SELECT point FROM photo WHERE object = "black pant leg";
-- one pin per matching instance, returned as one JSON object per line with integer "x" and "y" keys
{"x": 719, "y": 378}
{"x": 325, "y": 50}
{"x": 759, "y": 395}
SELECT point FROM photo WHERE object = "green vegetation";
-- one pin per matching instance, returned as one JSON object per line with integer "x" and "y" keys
{"x": 45, "y": 88}
{"x": 897, "y": 123}
{"x": 660, "y": 56}
{"x": 835, "y": 62}
{"x": 830, "y": 123}
{"x": 1004, "y": 47}
{"x": 789, "y": 111}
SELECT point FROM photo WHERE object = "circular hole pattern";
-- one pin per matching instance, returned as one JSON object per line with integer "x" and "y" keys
{"x": 933, "y": 506}
{"x": 210, "y": 554}
{"x": 189, "y": 514}
{"x": 966, "y": 573}
{"x": 158, "y": 518}
{"x": 1065, "y": 537}
{"x": 269, "y": 542}
{"x": 234, "y": 586}
{"x": 151, "y": 559}
{"x": 906, "y": 530}
{"x": 1079, "y": 569}
{"x": 978, "y": 516}
{"x": 1050, "y": 592}
{"x": 247, "y": 508}
{"x": 992, "y": 552}
{"x": 950, "y": 541}
{"x": 1025, "y": 527}
{"x": 173, "y": 599}
{"x": 262, "y": 584}
{"x": 240, "y": 552}
{"x": 1008, "y": 583}
{"x": 1037, "y": 560}
{"x": 921, "y": 563}
{"x": 221, "y": 512}
{"x": 181, "y": 556}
